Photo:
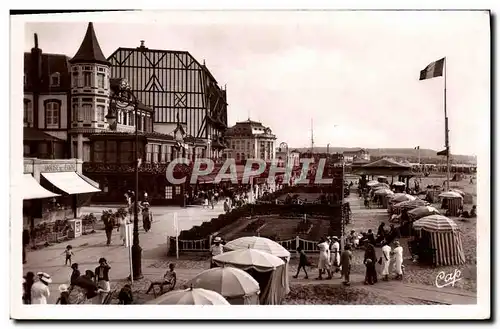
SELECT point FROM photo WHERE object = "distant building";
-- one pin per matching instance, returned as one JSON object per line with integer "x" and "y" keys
{"x": 360, "y": 155}
{"x": 284, "y": 154}
{"x": 250, "y": 140}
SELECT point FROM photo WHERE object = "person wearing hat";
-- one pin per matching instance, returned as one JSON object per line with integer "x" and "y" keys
{"x": 216, "y": 249}
{"x": 146, "y": 216}
{"x": 102, "y": 278}
{"x": 40, "y": 289}
{"x": 64, "y": 297}
{"x": 324, "y": 262}
{"x": 398, "y": 258}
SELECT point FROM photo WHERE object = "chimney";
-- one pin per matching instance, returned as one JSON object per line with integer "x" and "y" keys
{"x": 36, "y": 64}
{"x": 142, "y": 43}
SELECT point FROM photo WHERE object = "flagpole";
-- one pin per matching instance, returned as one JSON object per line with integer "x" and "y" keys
{"x": 447, "y": 142}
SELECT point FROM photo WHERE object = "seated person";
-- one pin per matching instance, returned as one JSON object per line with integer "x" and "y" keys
{"x": 353, "y": 239}
{"x": 169, "y": 279}
{"x": 473, "y": 212}
{"x": 125, "y": 296}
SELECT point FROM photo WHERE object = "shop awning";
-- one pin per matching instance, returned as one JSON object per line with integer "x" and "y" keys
{"x": 33, "y": 190}
{"x": 70, "y": 182}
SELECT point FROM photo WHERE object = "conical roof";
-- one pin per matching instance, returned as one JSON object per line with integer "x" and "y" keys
{"x": 90, "y": 51}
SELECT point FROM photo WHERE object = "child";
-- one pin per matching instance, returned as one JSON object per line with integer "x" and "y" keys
{"x": 303, "y": 262}
{"x": 68, "y": 252}
{"x": 64, "y": 297}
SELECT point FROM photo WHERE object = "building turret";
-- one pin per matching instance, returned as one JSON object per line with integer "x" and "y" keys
{"x": 90, "y": 90}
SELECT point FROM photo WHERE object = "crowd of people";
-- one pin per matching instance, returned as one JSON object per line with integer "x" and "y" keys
{"x": 91, "y": 287}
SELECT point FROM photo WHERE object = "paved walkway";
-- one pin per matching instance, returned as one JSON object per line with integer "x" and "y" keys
{"x": 89, "y": 248}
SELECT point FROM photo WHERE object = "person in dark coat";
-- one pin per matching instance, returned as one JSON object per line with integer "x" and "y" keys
{"x": 345, "y": 263}
{"x": 26, "y": 242}
{"x": 29, "y": 279}
{"x": 75, "y": 274}
{"x": 370, "y": 261}
{"x": 303, "y": 262}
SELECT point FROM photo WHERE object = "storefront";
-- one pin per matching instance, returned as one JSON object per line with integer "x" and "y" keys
{"x": 53, "y": 193}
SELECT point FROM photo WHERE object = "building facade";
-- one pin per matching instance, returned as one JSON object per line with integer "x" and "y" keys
{"x": 360, "y": 155}
{"x": 47, "y": 87}
{"x": 179, "y": 89}
{"x": 251, "y": 140}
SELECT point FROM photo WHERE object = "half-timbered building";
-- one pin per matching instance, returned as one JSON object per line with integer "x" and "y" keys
{"x": 176, "y": 85}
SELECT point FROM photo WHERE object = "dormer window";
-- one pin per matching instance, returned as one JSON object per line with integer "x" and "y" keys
{"x": 55, "y": 79}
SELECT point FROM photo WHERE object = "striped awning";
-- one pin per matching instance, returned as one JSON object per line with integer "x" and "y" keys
{"x": 435, "y": 223}
{"x": 449, "y": 249}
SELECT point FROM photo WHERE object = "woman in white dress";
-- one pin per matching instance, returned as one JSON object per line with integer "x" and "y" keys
{"x": 386, "y": 261}
{"x": 323, "y": 263}
{"x": 335, "y": 255}
{"x": 398, "y": 255}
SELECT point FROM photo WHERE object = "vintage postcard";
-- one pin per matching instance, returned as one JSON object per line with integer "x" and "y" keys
{"x": 302, "y": 164}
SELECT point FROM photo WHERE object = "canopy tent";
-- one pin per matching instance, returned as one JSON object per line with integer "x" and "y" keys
{"x": 191, "y": 296}
{"x": 31, "y": 189}
{"x": 237, "y": 286}
{"x": 267, "y": 269}
{"x": 386, "y": 167}
{"x": 263, "y": 244}
{"x": 445, "y": 239}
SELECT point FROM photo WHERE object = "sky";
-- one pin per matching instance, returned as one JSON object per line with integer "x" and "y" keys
{"x": 354, "y": 74}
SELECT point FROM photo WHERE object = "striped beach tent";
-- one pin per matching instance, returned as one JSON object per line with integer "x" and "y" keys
{"x": 445, "y": 238}
{"x": 454, "y": 201}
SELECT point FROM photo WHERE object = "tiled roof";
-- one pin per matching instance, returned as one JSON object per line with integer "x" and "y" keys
{"x": 90, "y": 51}
{"x": 51, "y": 63}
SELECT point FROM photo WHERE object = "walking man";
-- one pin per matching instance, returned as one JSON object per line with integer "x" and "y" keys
{"x": 345, "y": 263}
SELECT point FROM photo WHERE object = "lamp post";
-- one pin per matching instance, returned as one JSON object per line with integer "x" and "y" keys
{"x": 122, "y": 98}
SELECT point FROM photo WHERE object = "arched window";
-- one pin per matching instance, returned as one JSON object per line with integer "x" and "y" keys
{"x": 28, "y": 113}
{"x": 55, "y": 79}
{"x": 52, "y": 113}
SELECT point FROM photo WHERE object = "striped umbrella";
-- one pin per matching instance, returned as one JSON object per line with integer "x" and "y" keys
{"x": 435, "y": 223}
{"x": 450, "y": 195}
{"x": 383, "y": 191}
{"x": 422, "y": 211}
{"x": 380, "y": 185}
{"x": 227, "y": 281}
{"x": 400, "y": 197}
{"x": 259, "y": 243}
{"x": 462, "y": 193}
{"x": 191, "y": 296}
{"x": 411, "y": 204}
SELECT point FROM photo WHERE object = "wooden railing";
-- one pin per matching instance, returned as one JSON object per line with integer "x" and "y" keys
{"x": 203, "y": 245}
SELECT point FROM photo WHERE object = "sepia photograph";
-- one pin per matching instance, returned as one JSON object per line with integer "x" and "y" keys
{"x": 270, "y": 160}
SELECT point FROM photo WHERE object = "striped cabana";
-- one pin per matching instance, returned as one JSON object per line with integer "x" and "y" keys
{"x": 453, "y": 201}
{"x": 445, "y": 238}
